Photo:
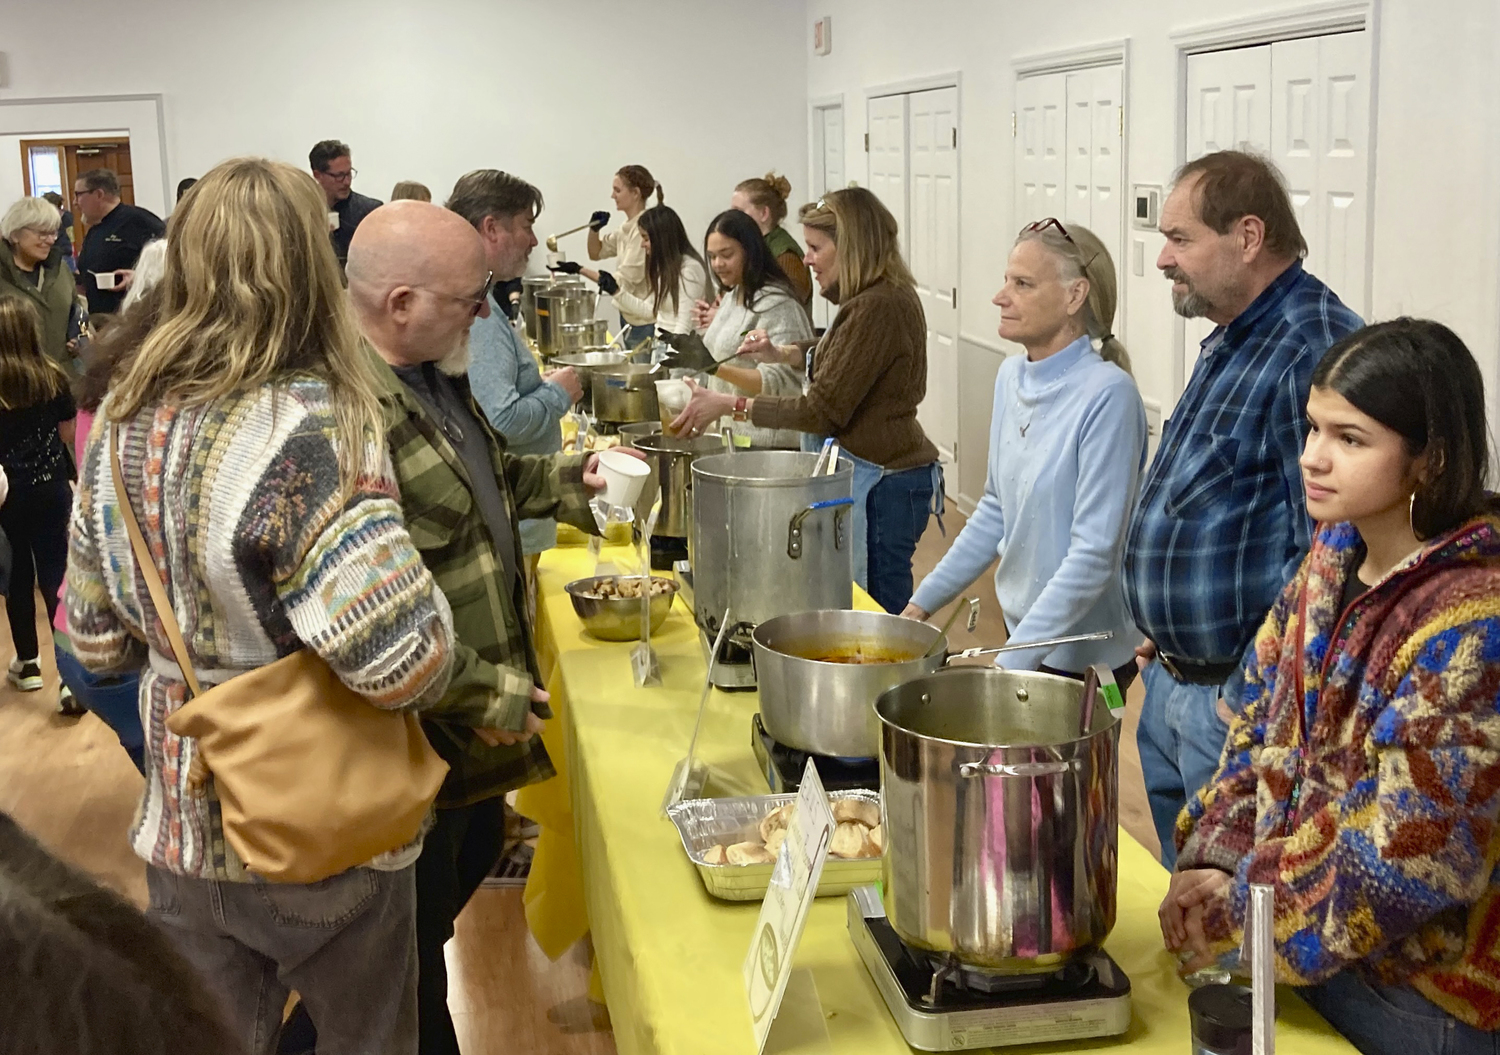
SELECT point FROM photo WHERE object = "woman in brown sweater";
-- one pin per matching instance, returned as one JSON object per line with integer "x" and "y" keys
{"x": 865, "y": 379}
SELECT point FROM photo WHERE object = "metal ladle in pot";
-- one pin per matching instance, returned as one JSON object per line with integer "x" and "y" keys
{"x": 972, "y": 604}
{"x": 970, "y": 653}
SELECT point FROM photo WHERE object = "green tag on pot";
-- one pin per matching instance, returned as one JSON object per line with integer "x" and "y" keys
{"x": 1114, "y": 699}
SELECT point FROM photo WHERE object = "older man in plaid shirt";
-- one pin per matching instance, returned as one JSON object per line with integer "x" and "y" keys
{"x": 417, "y": 279}
{"x": 1221, "y": 523}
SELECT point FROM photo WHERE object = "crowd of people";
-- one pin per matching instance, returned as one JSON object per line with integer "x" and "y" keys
{"x": 334, "y": 437}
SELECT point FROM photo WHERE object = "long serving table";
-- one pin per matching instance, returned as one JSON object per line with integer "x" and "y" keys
{"x": 668, "y": 954}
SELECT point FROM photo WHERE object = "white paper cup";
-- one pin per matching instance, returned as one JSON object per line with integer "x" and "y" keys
{"x": 104, "y": 279}
{"x": 624, "y": 477}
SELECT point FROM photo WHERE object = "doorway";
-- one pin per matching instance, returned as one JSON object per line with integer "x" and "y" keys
{"x": 1304, "y": 103}
{"x": 827, "y": 175}
{"x": 913, "y": 169}
{"x": 53, "y": 163}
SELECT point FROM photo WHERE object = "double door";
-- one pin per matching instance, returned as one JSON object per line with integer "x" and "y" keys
{"x": 913, "y": 169}
{"x": 1305, "y": 104}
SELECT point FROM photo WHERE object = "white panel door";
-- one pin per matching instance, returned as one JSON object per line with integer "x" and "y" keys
{"x": 1040, "y": 147}
{"x": 1320, "y": 132}
{"x": 1106, "y": 164}
{"x": 887, "y": 157}
{"x": 933, "y": 240}
{"x": 1228, "y": 108}
{"x": 828, "y": 175}
{"x": 1078, "y": 134}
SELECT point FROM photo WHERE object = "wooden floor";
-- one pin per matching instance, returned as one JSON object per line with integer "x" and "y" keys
{"x": 68, "y": 781}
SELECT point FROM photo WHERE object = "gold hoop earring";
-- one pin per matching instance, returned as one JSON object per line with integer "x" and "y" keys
{"x": 1411, "y": 516}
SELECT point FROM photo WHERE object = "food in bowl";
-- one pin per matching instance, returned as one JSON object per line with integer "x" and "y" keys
{"x": 859, "y": 835}
{"x": 625, "y": 587}
{"x": 857, "y": 654}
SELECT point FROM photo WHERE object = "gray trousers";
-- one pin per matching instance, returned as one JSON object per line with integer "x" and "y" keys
{"x": 347, "y": 945}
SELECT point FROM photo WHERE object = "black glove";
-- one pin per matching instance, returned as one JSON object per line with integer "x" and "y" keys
{"x": 567, "y": 267}
{"x": 598, "y": 221}
{"x": 688, "y": 353}
{"x": 607, "y": 283}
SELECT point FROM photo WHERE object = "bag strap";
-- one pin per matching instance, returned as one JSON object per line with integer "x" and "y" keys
{"x": 147, "y": 564}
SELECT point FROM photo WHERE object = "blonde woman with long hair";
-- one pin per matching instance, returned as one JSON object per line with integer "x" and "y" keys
{"x": 1067, "y": 446}
{"x": 864, "y": 382}
{"x": 252, "y": 451}
{"x": 36, "y": 429}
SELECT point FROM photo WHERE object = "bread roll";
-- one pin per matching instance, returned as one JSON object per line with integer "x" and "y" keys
{"x": 773, "y": 844}
{"x": 776, "y": 820}
{"x": 749, "y": 854}
{"x": 714, "y": 855}
{"x": 877, "y": 838}
{"x": 866, "y": 813}
{"x": 850, "y": 839}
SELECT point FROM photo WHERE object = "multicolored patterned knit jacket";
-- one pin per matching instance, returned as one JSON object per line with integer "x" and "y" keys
{"x": 262, "y": 553}
{"x": 1378, "y": 826}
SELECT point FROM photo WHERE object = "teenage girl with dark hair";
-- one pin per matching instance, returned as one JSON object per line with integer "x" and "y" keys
{"x": 1361, "y": 778}
{"x": 36, "y": 430}
{"x": 754, "y": 295}
{"x": 675, "y": 273}
{"x": 631, "y": 189}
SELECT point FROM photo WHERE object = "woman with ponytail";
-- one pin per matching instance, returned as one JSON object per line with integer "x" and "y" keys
{"x": 1067, "y": 446}
{"x": 764, "y": 201}
{"x": 631, "y": 190}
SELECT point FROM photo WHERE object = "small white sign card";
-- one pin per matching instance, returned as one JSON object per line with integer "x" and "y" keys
{"x": 783, "y": 913}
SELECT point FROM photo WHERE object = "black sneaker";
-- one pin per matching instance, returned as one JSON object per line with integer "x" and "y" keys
{"x": 25, "y": 676}
{"x": 68, "y": 705}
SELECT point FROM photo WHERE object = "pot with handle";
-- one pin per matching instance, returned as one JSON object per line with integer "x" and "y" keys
{"x": 557, "y": 305}
{"x": 783, "y": 534}
{"x": 625, "y": 393}
{"x": 1000, "y": 820}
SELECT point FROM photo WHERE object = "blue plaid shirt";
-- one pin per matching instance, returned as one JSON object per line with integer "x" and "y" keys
{"x": 1222, "y": 519}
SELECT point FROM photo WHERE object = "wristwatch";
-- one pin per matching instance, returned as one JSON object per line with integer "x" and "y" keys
{"x": 742, "y": 409}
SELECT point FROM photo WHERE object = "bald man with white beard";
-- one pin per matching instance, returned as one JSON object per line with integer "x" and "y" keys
{"x": 417, "y": 279}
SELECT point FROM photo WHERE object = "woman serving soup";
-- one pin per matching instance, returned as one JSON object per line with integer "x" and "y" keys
{"x": 865, "y": 379}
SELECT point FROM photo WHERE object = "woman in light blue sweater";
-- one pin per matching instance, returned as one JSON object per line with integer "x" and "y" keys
{"x": 1067, "y": 447}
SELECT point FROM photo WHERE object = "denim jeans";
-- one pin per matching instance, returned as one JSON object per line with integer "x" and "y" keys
{"x": 1394, "y": 1020}
{"x": 1181, "y": 737}
{"x": 897, "y": 512}
{"x": 347, "y": 945}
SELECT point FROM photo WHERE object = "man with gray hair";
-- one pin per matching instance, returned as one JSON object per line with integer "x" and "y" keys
{"x": 1221, "y": 523}
{"x": 116, "y": 235}
{"x": 524, "y": 405}
{"x": 418, "y": 277}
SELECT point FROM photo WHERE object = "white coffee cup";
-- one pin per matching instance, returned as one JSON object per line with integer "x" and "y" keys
{"x": 624, "y": 477}
{"x": 104, "y": 279}
{"x": 333, "y": 220}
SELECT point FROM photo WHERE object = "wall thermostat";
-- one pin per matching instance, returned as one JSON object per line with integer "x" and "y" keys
{"x": 1147, "y": 206}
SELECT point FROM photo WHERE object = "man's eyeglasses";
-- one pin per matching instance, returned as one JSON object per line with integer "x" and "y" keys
{"x": 341, "y": 177}
{"x": 475, "y": 302}
{"x": 1043, "y": 226}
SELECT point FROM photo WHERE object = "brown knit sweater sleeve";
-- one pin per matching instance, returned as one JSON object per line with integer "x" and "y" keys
{"x": 856, "y": 352}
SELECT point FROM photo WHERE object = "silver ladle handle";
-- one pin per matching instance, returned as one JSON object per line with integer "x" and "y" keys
{"x": 970, "y": 653}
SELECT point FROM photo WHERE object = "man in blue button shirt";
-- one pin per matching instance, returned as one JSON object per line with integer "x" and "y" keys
{"x": 525, "y": 406}
{"x": 1222, "y": 523}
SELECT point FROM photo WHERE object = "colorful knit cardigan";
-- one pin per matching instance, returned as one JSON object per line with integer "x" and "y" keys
{"x": 1377, "y": 827}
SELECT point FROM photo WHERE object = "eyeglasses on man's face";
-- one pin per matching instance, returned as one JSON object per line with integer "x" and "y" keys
{"x": 341, "y": 177}
{"x": 476, "y": 302}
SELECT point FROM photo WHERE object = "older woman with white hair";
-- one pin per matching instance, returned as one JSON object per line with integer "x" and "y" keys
{"x": 1067, "y": 447}
{"x": 29, "y": 230}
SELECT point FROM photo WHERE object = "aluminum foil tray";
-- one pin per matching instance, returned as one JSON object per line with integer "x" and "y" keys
{"x": 704, "y": 822}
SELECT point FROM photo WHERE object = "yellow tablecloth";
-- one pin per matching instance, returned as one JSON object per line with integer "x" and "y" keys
{"x": 669, "y": 954}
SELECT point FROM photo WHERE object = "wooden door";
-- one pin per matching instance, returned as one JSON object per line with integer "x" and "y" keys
{"x": 74, "y": 157}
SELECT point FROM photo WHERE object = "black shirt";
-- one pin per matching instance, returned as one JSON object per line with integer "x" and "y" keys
{"x": 351, "y": 211}
{"x": 65, "y": 234}
{"x": 113, "y": 243}
{"x": 31, "y": 451}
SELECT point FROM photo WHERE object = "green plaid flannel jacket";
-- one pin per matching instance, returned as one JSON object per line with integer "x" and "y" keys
{"x": 494, "y": 667}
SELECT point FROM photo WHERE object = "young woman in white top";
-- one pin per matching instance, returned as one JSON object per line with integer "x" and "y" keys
{"x": 755, "y": 296}
{"x": 1067, "y": 446}
{"x": 675, "y": 273}
{"x": 631, "y": 188}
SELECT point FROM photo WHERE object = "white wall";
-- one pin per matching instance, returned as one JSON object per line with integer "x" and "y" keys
{"x": 1436, "y": 232}
{"x": 550, "y": 92}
